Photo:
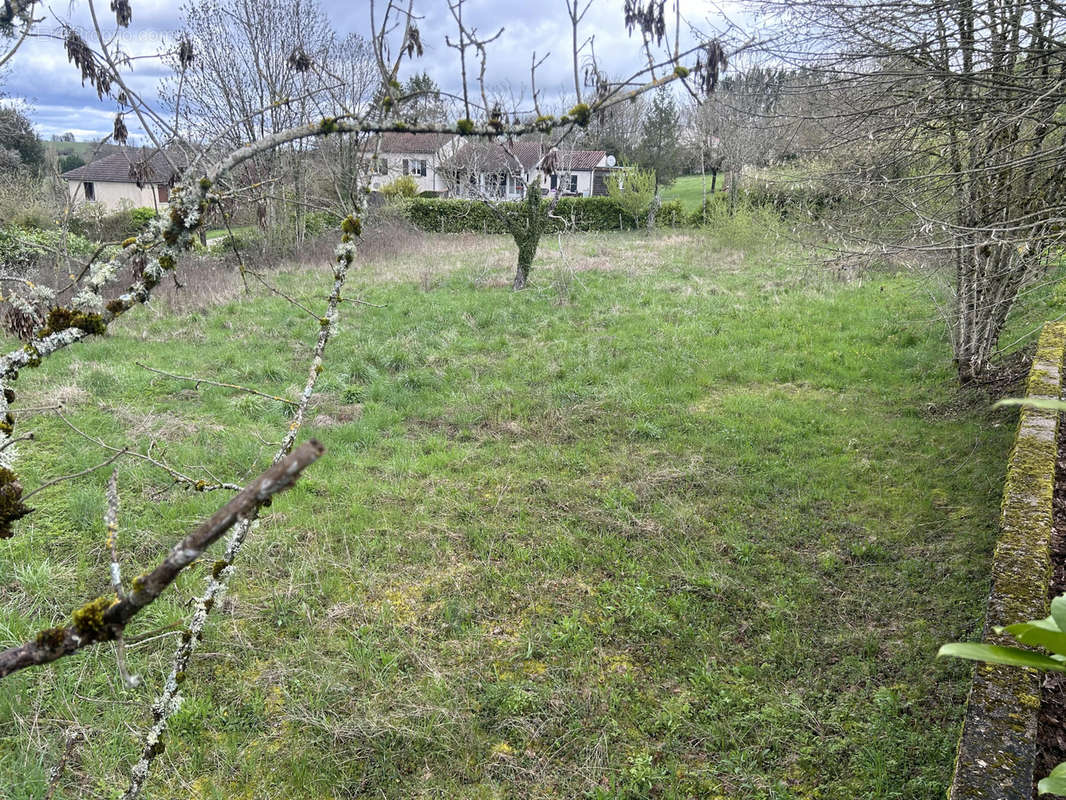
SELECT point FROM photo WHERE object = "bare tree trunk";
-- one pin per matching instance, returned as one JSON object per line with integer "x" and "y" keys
{"x": 703, "y": 178}
{"x": 653, "y": 209}
{"x": 988, "y": 284}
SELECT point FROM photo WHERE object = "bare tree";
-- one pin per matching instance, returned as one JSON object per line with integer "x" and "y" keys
{"x": 952, "y": 116}
{"x": 253, "y": 75}
{"x": 289, "y": 101}
{"x": 741, "y": 125}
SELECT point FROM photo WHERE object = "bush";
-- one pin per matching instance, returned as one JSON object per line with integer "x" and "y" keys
{"x": 577, "y": 213}
{"x": 808, "y": 198}
{"x": 93, "y": 221}
{"x": 318, "y": 222}
{"x": 671, "y": 215}
{"x": 711, "y": 208}
{"x": 633, "y": 189}
{"x": 23, "y": 249}
{"x": 246, "y": 240}
{"x": 403, "y": 186}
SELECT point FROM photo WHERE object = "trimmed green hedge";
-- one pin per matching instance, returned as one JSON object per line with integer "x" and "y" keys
{"x": 456, "y": 215}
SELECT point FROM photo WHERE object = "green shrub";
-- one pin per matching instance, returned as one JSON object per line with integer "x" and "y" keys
{"x": 319, "y": 222}
{"x": 671, "y": 215}
{"x": 242, "y": 239}
{"x": 809, "y": 197}
{"x": 578, "y": 213}
{"x": 93, "y": 221}
{"x": 715, "y": 204}
{"x": 35, "y": 217}
{"x": 633, "y": 189}
{"x": 139, "y": 218}
{"x": 22, "y": 249}
{"x": 403, "y": 186}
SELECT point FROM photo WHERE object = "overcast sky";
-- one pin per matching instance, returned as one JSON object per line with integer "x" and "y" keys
{"x": 40, "y": 75}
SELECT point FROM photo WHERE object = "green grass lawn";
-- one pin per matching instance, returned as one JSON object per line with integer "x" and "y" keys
{"x": 689, "y": 190}
{"x": 687, "y": 519}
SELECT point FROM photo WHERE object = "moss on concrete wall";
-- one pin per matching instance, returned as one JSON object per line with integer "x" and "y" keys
{"x": 997, "y": 748}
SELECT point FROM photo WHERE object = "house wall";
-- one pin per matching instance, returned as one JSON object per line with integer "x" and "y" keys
{"x": 115, "y": 196}
{"x": 431, "y": 182}
{"x": 584, "y": 181}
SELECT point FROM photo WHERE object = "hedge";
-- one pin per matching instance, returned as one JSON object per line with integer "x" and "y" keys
{"x": 809, "y": 198}
{"x": 113, "y": 226}
{"x": 456, "y": 215}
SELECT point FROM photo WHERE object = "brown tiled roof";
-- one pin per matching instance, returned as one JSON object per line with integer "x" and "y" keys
{"x": 122, "y": 168}
{"x": 579, "y": 159}
{"x": 413, "y": 142}
{"x": 529, "y": 155}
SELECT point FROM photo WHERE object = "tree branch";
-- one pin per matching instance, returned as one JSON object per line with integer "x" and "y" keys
{"x": 104, "y": 618}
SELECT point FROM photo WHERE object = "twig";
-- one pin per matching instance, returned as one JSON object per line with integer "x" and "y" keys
{"x": 26, "y": 437}
{"x": 179, "y": 477}
{"x": 105, "y": 618}
{"x": 111, "y": 526}
{"x": 170, "y": 699}
{"x": 86, "y": 471}
{"x": 73, "y": 737}
{"x": 271, "y": 287}
{"x": 198, "y": 381}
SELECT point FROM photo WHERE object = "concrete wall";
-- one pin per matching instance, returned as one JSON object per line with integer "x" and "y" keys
{"x": 997, "y": 749}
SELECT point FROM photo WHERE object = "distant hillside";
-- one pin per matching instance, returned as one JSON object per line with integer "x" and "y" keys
{"x": 88, "y": 151}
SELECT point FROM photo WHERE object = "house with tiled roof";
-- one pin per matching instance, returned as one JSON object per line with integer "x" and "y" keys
{"x": 129, "y": 178}
{"x": 418, "y": 155}
{"x": 450, "y": 165}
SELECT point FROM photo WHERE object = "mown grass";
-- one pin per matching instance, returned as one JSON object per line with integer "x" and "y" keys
{"x": 687, "y": 519}
{"x": 689, "y": 190}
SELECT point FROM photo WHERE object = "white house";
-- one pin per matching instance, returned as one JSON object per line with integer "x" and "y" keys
{"x": 130, "y": 178}
{"x": 451, "y": 165}
{"x": 416, "y": 154}
{"x": 497, "y": 170}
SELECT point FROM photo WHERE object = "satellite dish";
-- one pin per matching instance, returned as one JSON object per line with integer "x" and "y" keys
{"x": 610, "y": 161}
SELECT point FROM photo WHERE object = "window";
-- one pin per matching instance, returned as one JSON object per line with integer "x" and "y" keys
{"x": 90, "y": 191}
{"x": 163, "y": 193}
{"x": 573, "y": 183}
{"x": 415, "y": 166}
{"x": 555, "y": 182}
{"x": 383, "y": 166}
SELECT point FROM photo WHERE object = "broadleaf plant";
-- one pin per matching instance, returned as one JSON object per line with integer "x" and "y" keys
{"x": 1049, "y": 633}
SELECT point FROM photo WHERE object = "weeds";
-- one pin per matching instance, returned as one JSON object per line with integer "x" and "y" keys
{"x": 673, "y": 537}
